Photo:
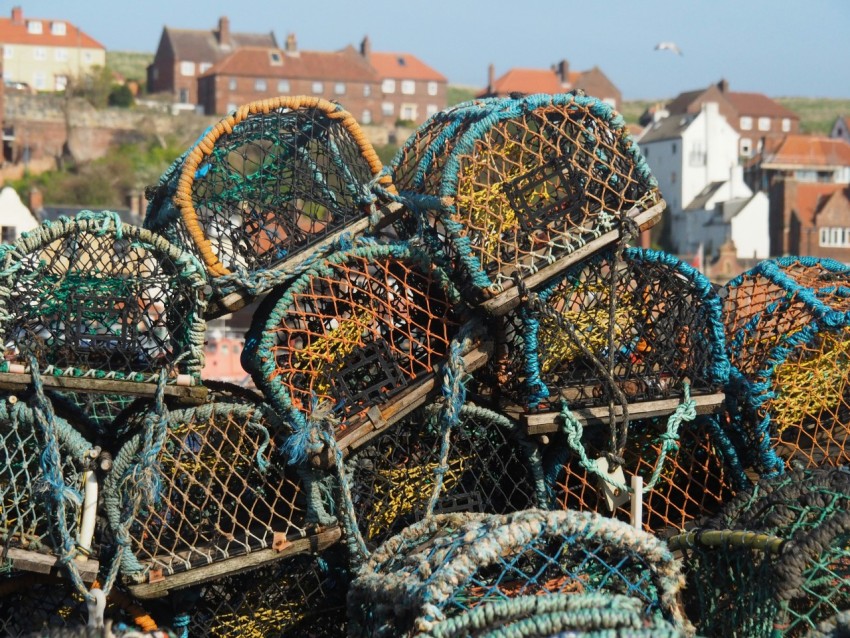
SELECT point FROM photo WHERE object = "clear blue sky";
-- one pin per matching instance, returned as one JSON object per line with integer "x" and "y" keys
{"x": 777, "y": 47}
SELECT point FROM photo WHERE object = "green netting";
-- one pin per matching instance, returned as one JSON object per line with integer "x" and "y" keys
{"x": 785, "y": 565}
{"x": 449, "y": 564}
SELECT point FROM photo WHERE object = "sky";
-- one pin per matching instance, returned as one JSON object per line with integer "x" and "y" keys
{"x": 782, "y": 48}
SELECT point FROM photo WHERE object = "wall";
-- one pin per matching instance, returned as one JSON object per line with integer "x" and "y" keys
{"x": 750, "y": 229}
{"x": 13, "y": 213}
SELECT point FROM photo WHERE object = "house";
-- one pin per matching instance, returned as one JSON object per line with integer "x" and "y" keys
{"x": 807, "y": 158}
{"x": 15, "y": 217}
{"x": 694, "y": 157}
{"x": 44, "y": 53}
{"x": 410, "y": 90}
{"x": 557, "y": 79}
{"x": 841, "y": 128}
{"x": 811, "y": 219}
{"x": 183, "y": 55}
{"x": 757, "y": 119}
{"x": 258, "y": 73}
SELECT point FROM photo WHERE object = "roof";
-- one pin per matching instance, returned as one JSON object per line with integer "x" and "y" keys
{"x": 682, "y": 101}
{"x": 810, "y": 199}
{"x": 669, "y": 128}
{"x": 705, "y": 196}
{"x": 345, "y": 65}
{"x": 757, "y": 104}
{"x": 11, "y": 33}
{"x": 809, "y": 151}
{"x": 732, "y": 207}
{"x": 403, "y": 66}
{"x": 527, "y": 81}
{"x": 203, "y": 46}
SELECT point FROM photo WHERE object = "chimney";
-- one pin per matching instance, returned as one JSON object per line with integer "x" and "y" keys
{"x": 291, "y": 43}
{"x": 17, "y": 15}
{"x": 36, "y": 200}
{"x": 723, "y": 85}
{"x": 134, "y": 201}
{"x": 366, "y": 48}
{"x": 564, "y": 72}
{"x": 224, "y": 31}
{"x": 491, "y": 78}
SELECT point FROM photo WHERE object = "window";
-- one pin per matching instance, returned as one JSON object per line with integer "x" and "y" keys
{"x": 431, "y": 109}
{"x": 367, "y": 117}
{"x": 184, "y": 96}
{"x": 283, "y": 86}
{"x": 187, "y": 68}
{"x": 61, "y": 55}
{"x": 7, "y": 51}
{"x": 39, "y": 81}
{"x": 318, "y": 87}
{"x": 231, "y": 107}
{"x": 673, "y": 150}
{"x": 7, "y": 234}
{"x": 87, "y": 56}
{"x": 34, "y": 26}
{"x": 232, "y": 84}
{"x": 203, "y": 67}
{"x": 60, "y": 82}
{"x": 40, "y": 53}
{"x": 57, "y": 28}
{"x": 260, "y": 85}
{"x": 835, "y": 237}
{"x": 746, "y": 147}
{"x": 746, "y": 123}
{"x": 367, "y": 90}
{"x": 786, "y": 124}
{"x": 388, "y": 86}
{"x": 224, "y": 349}
{"x": 387, "y": 108}
{"x": 408, "y": 87}
{"x": 432, "y": 88}
{"x": 764, "y": 123}
{"x": 275, "y": 59}
{"x": 339, "y": 88}
{"x": 408, "y": 112}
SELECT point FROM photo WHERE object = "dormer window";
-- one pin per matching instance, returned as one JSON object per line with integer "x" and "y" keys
{"x": 58, "y": 28}
{"x": 34, "y": 27}
{"x": 275, "y": 58}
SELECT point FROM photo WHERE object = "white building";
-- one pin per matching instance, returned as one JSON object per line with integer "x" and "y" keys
{"x": 15, "y": 217}
{"x": 694, "y": 157}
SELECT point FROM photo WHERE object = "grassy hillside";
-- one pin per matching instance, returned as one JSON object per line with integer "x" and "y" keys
{"x": 455, "y": 93}
{"x": 130, "y": 64}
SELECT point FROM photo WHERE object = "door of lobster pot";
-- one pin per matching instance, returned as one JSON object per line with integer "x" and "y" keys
{"x": 223, "y": 500}
{"x": 536, "y": 185}
{"x": 788, "y": 336}
{"x": 265, "y": 189}
{"x": 354, "y": 344}
{"x": 614, "y": 360}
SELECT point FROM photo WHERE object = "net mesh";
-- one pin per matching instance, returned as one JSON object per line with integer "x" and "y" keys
{"x": 449, "y": 564}
{"x": 355, "y": 332}
{"x": 788, "y": 344}
{"x": 93, "y": 294}
{"x": 791, "y": 587}
{"x": 526, "y": 185}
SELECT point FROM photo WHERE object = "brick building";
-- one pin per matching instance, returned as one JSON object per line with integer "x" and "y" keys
{"x": 811, "y": 219}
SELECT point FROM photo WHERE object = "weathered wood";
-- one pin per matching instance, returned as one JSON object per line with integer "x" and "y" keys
{"x": 194, "y": 394}
{"x": 232, "y": 566}
{"x": 509, "y": 299}
{"x": 546, "y": 422}
{"x": 28, "y": 561}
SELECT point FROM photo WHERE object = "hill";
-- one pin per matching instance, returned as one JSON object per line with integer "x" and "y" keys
{"x": 130, "y": 64}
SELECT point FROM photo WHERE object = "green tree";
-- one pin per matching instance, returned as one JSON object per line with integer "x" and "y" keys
{"x": 121, "y": 96}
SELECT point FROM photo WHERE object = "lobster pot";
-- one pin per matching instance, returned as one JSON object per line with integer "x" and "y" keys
{"x": 269, "y": 182}
{"x": 688, "y": 474}
{"x": 666, "y": 332}
{"x": 32, "y": 469}
{"x": 776, "y": 559}
{"x": 93, "y": 297}
{"x": 527, "y": 185}
{"x": 789, "y": 344}
{"x": 446, "y": 565}
{"x": 221, "y": 494}
{"x": 491, "y": 466}
{"x": 302, "y": 595}
{"x": 361, "y": 330}
{"x": 98, "y": 412}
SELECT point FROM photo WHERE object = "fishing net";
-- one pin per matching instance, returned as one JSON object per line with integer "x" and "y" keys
{"x": 789, "y": 344}
{"x": 220, "y": 491}
{"x": 447, "y": 565}
{"x": 267, "y": 183}
{"x": 518, "y": 184}
{"x": 490, "y": 466}
{"x": 99, "y": 411}
{"x": 359, "y": 330}
{"x": 92, "y": 296}
{"x": 688, "y": 473}
{"x": 301, "y": 595}
{"x": 775, "y": 561}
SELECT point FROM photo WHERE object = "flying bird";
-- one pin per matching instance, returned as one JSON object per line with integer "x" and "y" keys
{"x": 668, "y": 46}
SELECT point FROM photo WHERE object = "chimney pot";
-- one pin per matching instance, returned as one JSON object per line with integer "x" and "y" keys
{"x": 491, "y": 78}
{"x": 291, "y": 43}
{"x": 366, "y": 48}
{"x": 224, "y": 31}
{"x": 36, "y": 200}
{"x": 17, "y": 15}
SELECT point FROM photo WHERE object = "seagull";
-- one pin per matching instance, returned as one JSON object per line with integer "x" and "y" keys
{"x": 669, "y": 46}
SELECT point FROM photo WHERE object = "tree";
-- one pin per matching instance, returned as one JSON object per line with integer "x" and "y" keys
{"x": 121, "y": 96}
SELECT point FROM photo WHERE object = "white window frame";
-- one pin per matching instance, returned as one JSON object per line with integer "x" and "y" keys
{"x": 824, "y": 237}
{"x": 409, "y": 112}
{"x": 203, "y": 67}
{"x": 87, "y": 56}
{"x": 764, "y": 123}
{"x": 339, "y": 88}
{"x": 388, "y": 86}
{"x": 275, "y": 58}
{"x": 39, "y": 53}
{"x": 58, "y": 28}
{"x": 283, "y": 86}
{"x": 232, "y": 84}
{"x": 408, "y": 87}
{"x": 746, "y": 147}
{"x": 746, "y": 123}
{"x": 34, "y": 27}
{"x": 187, "y": 69}
{"x": 261, "y": 85}
{"x": 431, "y": 109}
{"x": 367, "y": 90}
{"x": 318, "y": 88}
{"x": 39, "y": 80}
{"x": 8, "y": 51}
{"x": 60, "y": 82}
{"x": 432, "y": 88}
{"x": 230, "y": 107}
{"x": 366, "y": 117}
{"x": 387, "y": 109}
{"x": 786, "y": 124}
{"x": 60, "y": 54}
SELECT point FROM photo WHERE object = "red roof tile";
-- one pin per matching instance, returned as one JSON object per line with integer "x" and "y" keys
{"x": 528, "y": 81}
{"x": 12, "y": 33}
{"x": 809, "y": 150}
{"x": 343, "y": 65}
{"x": 403, "y": 66}
{"x": 810, "y": 199}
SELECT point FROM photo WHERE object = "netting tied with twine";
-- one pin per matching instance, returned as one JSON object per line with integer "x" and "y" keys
{"x": 447, "y": 565}
{"x": 787, "y": 332}
{"x": 266, "y": 184}
{"x": 508, "y": 186}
